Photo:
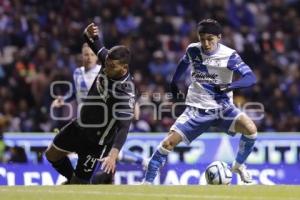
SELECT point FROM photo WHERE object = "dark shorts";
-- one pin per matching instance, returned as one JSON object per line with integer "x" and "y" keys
{"x": 72, "y": 139}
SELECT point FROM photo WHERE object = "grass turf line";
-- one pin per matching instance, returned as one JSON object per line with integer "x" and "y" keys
{"x": 139, "y": 192}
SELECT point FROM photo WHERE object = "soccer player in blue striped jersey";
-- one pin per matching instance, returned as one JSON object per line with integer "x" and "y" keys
{"x": 209, "y": 99}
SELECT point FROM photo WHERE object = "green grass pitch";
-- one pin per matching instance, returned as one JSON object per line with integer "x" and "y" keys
{"x": 125, "y": 192}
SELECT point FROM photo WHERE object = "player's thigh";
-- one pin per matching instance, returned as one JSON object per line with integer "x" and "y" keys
{"x": 245, "y": 125}
{"x": 63, "y": 143}
{"x": 228, "y": 118}
{"x": 192, "y": 123}
{"x": 68, "y": 139}
{"x": 53, "y": 154}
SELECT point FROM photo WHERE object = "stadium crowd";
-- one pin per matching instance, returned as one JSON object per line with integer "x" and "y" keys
{"x": 40, "y": 42}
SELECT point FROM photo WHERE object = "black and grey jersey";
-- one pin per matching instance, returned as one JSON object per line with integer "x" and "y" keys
{"x": 108, "y": 102}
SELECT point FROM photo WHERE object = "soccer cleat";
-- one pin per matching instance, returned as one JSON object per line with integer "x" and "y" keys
{"x": 241, "y": 169}
{"x": 146, "y": 183}
{"x": 67, "y": 182}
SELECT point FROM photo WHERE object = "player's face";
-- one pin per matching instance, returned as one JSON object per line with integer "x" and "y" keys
{"x": 114, "y": 69}
{"x": 209, "y": 42}
{"x": 89, "y": 59}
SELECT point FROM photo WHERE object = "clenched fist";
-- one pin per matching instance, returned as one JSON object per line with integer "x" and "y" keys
{"x": 92, "y": 32}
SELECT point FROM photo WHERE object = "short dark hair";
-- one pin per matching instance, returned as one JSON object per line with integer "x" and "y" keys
{"x": 120, "y": 53}
{"x": 209, "y": 26}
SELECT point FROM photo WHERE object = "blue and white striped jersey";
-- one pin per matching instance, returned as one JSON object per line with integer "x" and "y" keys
{"x": 209, "y": 70}
{"x": 83, "y": 80}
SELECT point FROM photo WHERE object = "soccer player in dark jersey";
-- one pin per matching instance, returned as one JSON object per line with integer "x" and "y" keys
{"x": 104, "y": 117}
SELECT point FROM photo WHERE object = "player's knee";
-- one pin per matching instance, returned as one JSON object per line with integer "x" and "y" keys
{"x": 75, "y": 180}
{"x": 103, "y": 178}
{"x": 52, "y": 155}
{"x": 48, "y": 155}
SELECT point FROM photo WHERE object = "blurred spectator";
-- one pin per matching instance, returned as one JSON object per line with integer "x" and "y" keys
{"x": 240, "y": 15}
{"x": 125, "y": 22}
{"x": 15, "y": 154}
{"x": 160, "y": 66}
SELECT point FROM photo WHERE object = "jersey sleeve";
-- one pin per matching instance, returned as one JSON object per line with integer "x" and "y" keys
{"x": 124, "y": 113}
{"x": 98, "y": 48}
{"x": 186, "y": 58}
{"x": 236, "y": 64}
{"x": 124, "y": 108}
{"x": 122, "y": 132}
{"x": 182, "y": 66}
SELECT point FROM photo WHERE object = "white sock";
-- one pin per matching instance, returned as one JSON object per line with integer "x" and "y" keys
{"x": 253, "y": 136}
{"x": 163, "y": 150}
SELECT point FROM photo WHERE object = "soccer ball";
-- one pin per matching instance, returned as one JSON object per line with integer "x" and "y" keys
{"x": 218, "y": 173}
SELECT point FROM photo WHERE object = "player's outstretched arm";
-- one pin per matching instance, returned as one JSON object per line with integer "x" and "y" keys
{"x": 237, "y": 65}
{"x": 109, "y": 162}
{"x": 247, "y": 80}
{"x": 92, "y": 37}
{"x": 180, "y": 70}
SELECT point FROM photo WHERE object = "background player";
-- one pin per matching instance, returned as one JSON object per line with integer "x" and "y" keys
{"x": 209, "y": 99}
{"x": 83, "y": 76}
{"x": 105, "y": 115}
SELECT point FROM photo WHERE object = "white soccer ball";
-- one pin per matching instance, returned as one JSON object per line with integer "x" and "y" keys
{"x": 218, "y": 173}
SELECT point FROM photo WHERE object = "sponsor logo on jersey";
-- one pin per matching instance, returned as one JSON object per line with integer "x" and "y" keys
{"x": 205, "y": 77}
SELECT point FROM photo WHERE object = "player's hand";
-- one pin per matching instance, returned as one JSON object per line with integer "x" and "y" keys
{"x": 58, "y": 102}
{"x": 92, "y": 31}
{"x": 108, "y": 164}
{"x": 222, "y": 88}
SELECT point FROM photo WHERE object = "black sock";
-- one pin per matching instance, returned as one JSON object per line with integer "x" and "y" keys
{"x": 64, "y": 167}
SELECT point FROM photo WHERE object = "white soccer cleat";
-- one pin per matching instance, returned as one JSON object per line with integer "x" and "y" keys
{"x": 146, "y": 183}
{"x": 241, "y": 169}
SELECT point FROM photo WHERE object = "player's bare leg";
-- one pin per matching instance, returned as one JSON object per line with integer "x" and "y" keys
{"x": 248, "y": 129}
{"x": 60, "y": 161}
{"x": 159, "y": 157}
